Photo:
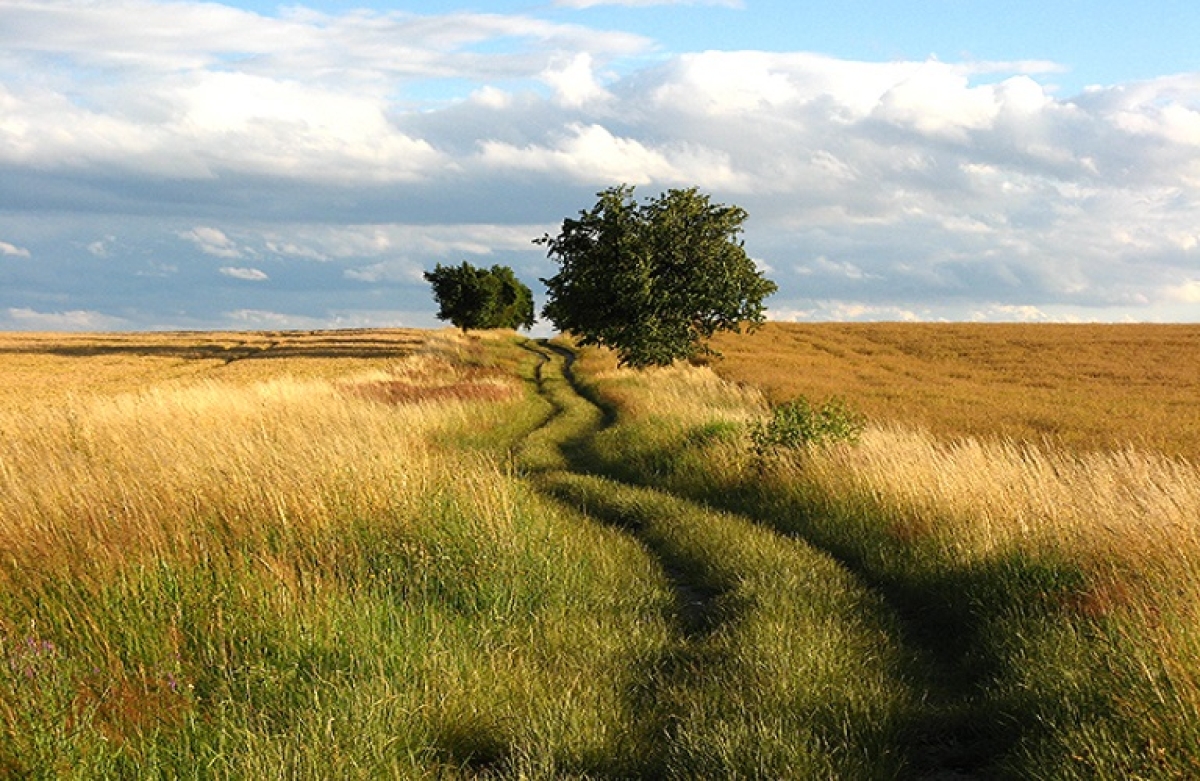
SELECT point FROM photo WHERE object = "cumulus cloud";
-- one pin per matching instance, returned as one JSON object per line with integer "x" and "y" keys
{"x": 592, "y": 153}
{"x": 13, "y": 251}
{"x": 213, "y": 242}
{"x": 575, "y": 82}
{"x": 1187, "y": 292}
{"x": 363, "y": 146}
{"x": 197, "y": 89}
{"x": 247, "y": 274}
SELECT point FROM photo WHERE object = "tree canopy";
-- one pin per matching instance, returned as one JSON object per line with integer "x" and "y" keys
{"x": 471, "y": 297}
{"x": 654, "y": 280}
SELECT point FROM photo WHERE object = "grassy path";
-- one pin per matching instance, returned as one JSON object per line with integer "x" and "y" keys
{"x": 782, "y": 665}
{"x": 1009, "y": 667}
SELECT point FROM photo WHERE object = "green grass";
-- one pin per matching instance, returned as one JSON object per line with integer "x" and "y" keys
{"x": 1036, "y": 658}
{"x": 440, "y": 646}
{"x": 450, "y": 622}
{"x": 454, "y": 564}
{"x": 782, "y": 665}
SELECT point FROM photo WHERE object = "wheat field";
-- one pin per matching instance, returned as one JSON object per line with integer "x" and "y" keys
{"x": 366, "y": 553}
{"x": 1061, "y": 559}
{"x": 247, "y": 555}
{"x": 1086, "y": 387}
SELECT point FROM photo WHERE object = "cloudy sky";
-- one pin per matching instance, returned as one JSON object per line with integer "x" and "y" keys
{"x": 250, "y": 164}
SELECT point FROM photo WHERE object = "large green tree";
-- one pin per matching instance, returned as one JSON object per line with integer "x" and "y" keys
{"x": 471, "y": 297}
{"x": 653, "y": 280}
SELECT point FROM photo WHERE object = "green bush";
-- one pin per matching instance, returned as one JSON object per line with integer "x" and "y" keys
{"x": 799, "y": 424}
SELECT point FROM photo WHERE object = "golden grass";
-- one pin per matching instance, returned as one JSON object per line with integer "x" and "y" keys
{"x": 1121, "y": 512}
{"x": 1088, "y": 387}
{"x": 92, "y": 465}
{"x": 1083, "y": 563}
{"x": 1038, "y": 436}
{"x": 267, "y": 562}
{"x": 40, "y": 369}
{"x": 683, "y": 394}
{"x": 1133, "y": 508}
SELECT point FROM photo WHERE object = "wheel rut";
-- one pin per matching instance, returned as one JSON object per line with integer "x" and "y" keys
{"x": 941, "y": 740}
{"x": 567, "y": 431}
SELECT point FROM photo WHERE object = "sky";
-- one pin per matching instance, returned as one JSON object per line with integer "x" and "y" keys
{"x": 249, "y": 164}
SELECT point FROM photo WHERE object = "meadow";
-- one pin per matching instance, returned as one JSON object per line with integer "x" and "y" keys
{"x": 1046, "y": 585}
{"x": 417, "y": 554}
{"x": 298, "y": 555}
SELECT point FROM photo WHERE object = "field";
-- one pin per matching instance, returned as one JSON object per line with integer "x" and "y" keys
{"x": 1086, "y": 387}
{"x": 408, "y": 554}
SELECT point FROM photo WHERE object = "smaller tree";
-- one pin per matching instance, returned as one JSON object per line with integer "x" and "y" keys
{"x": 471, "y": 297}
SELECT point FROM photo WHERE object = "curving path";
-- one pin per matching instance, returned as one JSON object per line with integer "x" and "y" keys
{"x": 726, "y": 593}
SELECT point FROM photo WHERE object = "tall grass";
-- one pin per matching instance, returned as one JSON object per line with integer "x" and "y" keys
{"x": 305, "y": 578}
{"x": 780, "y": 663}
{"x": 1052, "y": 593}
{"x": 784, "y": 665}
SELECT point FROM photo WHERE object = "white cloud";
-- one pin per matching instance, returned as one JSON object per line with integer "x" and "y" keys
{"x": 492, "y": 97}
{"x": 190, "y": 89}
{"x": 329, "y": 242}
{"x": 212, "y": 242}
{"x": 826, "y": 267}
{"x": 294, "y": 250}
{"x": 1186, "y": 293}
{"x": 26, "y": 319}
{"x": 271, "y": 320}
{"x": 247, "y": 274}
{"x": 592, "y": 153}
{"x": 380, "y": 143}
{"x": 1019, "y": 314}
{"x": 646, "y": 3}
{"x": 587, "y": 152}
{"x": 575, "y": 82}
{"x": 919, "y": 102}
{"x": 825, "y": 311}
{"x": 13, "y": 251}
{"x": 265, "y": 319}
{"x": 387, "y": 271}
{"x": 100, "y": 248}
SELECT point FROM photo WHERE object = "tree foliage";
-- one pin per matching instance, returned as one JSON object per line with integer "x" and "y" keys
{"x": 655, "y": 280}
{"x": 471, "y": 297}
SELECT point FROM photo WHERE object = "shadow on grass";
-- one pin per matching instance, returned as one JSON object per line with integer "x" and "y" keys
{"x": 221, "y": 346}
{"x": 959, "y": 621}
{"x": 956, "y": 621}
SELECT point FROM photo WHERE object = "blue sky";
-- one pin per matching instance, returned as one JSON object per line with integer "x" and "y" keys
{"x": 263, "y": 165}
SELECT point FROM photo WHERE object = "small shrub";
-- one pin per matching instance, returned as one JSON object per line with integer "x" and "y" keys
{"x": 799, "y": 424}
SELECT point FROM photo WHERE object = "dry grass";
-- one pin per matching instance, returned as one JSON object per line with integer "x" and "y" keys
{"x": 1088, "y": 387}
{"x": 1117, "y": 507}
{"x": 126, "y": 475}
{"x": 40, "y": 369}
{"x": 684, "y": 394}
{"x": 1078, "y": 567}
{"x": 1125, "y": 514}
{"x": 298, "y": 554}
